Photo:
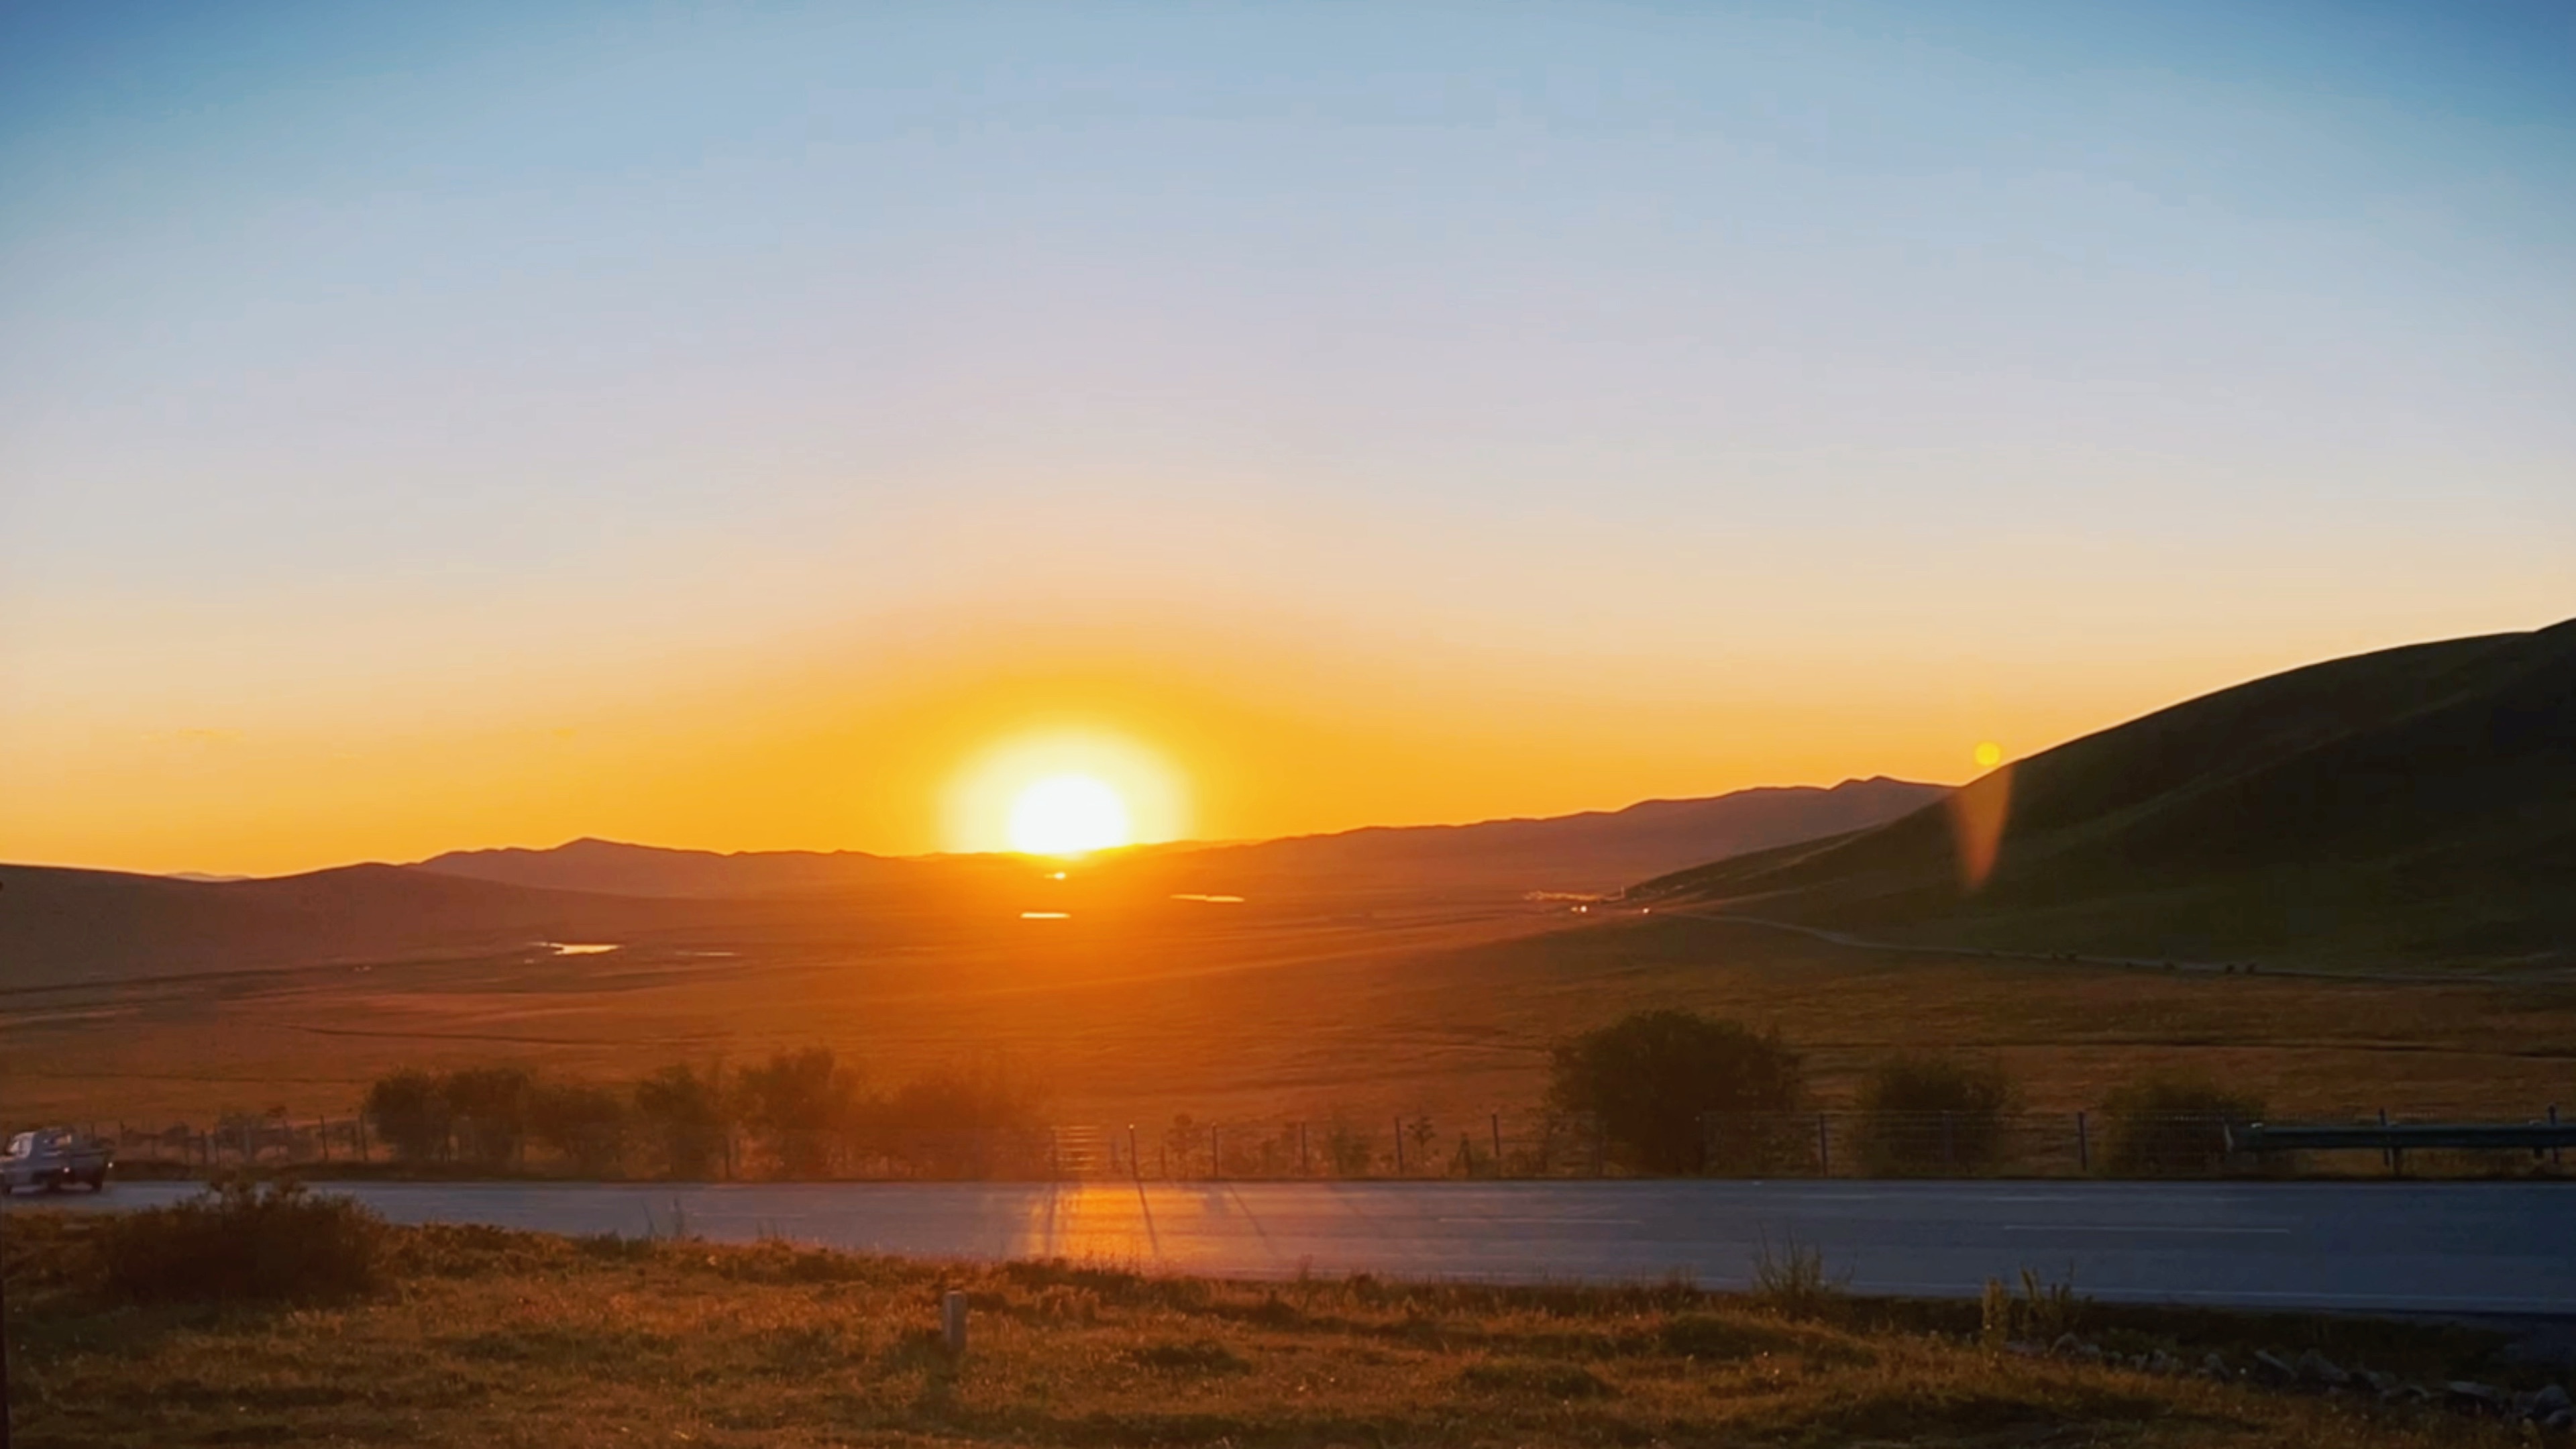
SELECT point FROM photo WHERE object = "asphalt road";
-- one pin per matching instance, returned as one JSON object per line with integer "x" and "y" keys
{"x": 2496, "y": 1248}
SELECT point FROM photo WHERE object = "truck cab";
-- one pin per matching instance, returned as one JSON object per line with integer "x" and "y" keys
{"x": 52, "y": 1158}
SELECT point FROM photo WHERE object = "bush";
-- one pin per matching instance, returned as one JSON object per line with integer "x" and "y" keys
{"x": 1651, "y": 1078}
{"x": 2170, "y": 1126}
{"x": 243, "y": 1240}
{"x": 687, "y": 1113}
{"x": 803, "y": 1101}
{"x": 491, "y": 1108}
{"x": 959, "y": 1124}
{"x": 1348, "y": 1149}
{"x": 1933, "y": 1114}
{"x": 586, "y": 1124}
{"x": 411, "y": 1115}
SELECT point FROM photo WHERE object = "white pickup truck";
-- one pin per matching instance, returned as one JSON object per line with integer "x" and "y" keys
{"x": 52, "y": 1158}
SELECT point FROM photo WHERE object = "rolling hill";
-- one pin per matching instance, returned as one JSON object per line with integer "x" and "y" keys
{"x": 2409, "y": 805}
{"x": 1595, "y": 851}
{"x": 59, "y": 925}
{"x": 615, "y": 868}
{"x": 1598, "y": 850}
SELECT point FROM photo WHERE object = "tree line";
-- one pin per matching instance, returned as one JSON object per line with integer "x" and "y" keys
{"x": 800, "y": 1113}
{"x": 1678, "y": 1093}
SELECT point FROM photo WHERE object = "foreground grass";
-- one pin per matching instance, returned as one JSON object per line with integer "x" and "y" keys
{"x": 481, "y": 1337}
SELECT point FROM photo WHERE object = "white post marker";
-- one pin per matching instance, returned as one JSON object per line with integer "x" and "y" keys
{"x": 952, "y": 1322}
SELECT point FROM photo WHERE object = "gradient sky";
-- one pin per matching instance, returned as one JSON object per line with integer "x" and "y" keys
{"x": 459, "y": 425}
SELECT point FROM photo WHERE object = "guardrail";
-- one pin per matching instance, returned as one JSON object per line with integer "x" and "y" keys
{"x": 2386, "y": 1137}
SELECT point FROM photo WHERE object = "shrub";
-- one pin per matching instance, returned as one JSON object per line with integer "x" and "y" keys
{"x": 1653, "y": 1076}
{"x": 961, "y": 1124}
{"x": 587, "y": 1124}
{"x": 1348, "y": 1147}
{"x": 687, "y": 1113}
{"x": 1933, "y": 1114}
{"x": 244, "y": 1240}
{"x": 491, "y": 1112}
{"x": 2172, "y": 1126}
{"x": 411, "y": 1115}
{"x": 802, "y": 1101}
{"x": 2043, "y": 1311}
{"x": 1794, "y": 1281}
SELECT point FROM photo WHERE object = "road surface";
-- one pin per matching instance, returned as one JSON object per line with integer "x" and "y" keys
{"x": 2502, "y": 1248}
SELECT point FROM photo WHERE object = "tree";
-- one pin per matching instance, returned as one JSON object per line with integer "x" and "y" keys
{"x": 585, "y": 1123}
{"x": 961, "y": 1124}
{"x": 801, "y": 1101}
{"x": 410, "y": 1115}
{"x": 1925, "y": 1114}
{"x": 491, "y": 1107}
{"x": 1650, "y": 1077}
{"x": 687, "y": 1113}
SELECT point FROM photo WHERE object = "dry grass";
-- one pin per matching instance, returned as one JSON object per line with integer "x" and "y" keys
{"x": 491, "y": 1338}
{"x": 1445, "y": 1013}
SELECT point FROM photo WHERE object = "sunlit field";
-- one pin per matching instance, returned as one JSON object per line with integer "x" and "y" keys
{"x": 1263, "y": 1014}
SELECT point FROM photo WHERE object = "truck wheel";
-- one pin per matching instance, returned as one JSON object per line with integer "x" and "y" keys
{"x": 97, "y": 1181}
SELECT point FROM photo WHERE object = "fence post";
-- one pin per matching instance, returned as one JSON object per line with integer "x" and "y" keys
{"x": 1135, "y": 1161}
{"x": 1399, "y": 1144}
{"x": 1302, "y": 1168}
{"x": 1824, "y": 1148}
{"x": 2553, "y": 1147}
{"x": 322, "y": 1127}
{"x": 2387, "y": 1155}
{"x": 1216, "y": 1153}
{"x": 2083, "y": 1146}
{"x": 1497, "y": 1120}
{"x": 362, "y": 1136}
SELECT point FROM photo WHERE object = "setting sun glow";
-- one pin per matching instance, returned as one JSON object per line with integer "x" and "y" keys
{"x": 1068, "y": 815}
{"x": 1064, "y": 792}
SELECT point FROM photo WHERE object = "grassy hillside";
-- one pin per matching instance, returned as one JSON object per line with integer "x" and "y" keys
{"x": 2412, "y": 805}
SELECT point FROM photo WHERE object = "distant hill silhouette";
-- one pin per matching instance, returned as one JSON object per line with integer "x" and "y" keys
{"x": 2414, "y": 804}
{"x": 1598, "y": 850}
{"x": 614, "y": 868}
{"x": 60, "y": 925}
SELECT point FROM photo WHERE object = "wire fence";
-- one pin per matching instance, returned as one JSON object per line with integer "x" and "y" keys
{"x": 1185, "y": 1148}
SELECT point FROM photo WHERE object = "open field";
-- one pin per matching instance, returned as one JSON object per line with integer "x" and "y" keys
{"x": 489, "y": 1338}
{"x": 1239, "y": 1013}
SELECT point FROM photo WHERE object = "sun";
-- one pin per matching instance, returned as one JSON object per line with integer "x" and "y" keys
{"x": 1065, "y": 791}
{"x": 1069, "y": 815}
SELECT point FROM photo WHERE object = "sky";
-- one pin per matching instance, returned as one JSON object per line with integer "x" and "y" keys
{"x": 757, "y": 426}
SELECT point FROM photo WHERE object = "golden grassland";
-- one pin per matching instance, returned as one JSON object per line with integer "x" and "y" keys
{"x": 1440, "y": 1010}
{"x": 481, "y": 1337}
